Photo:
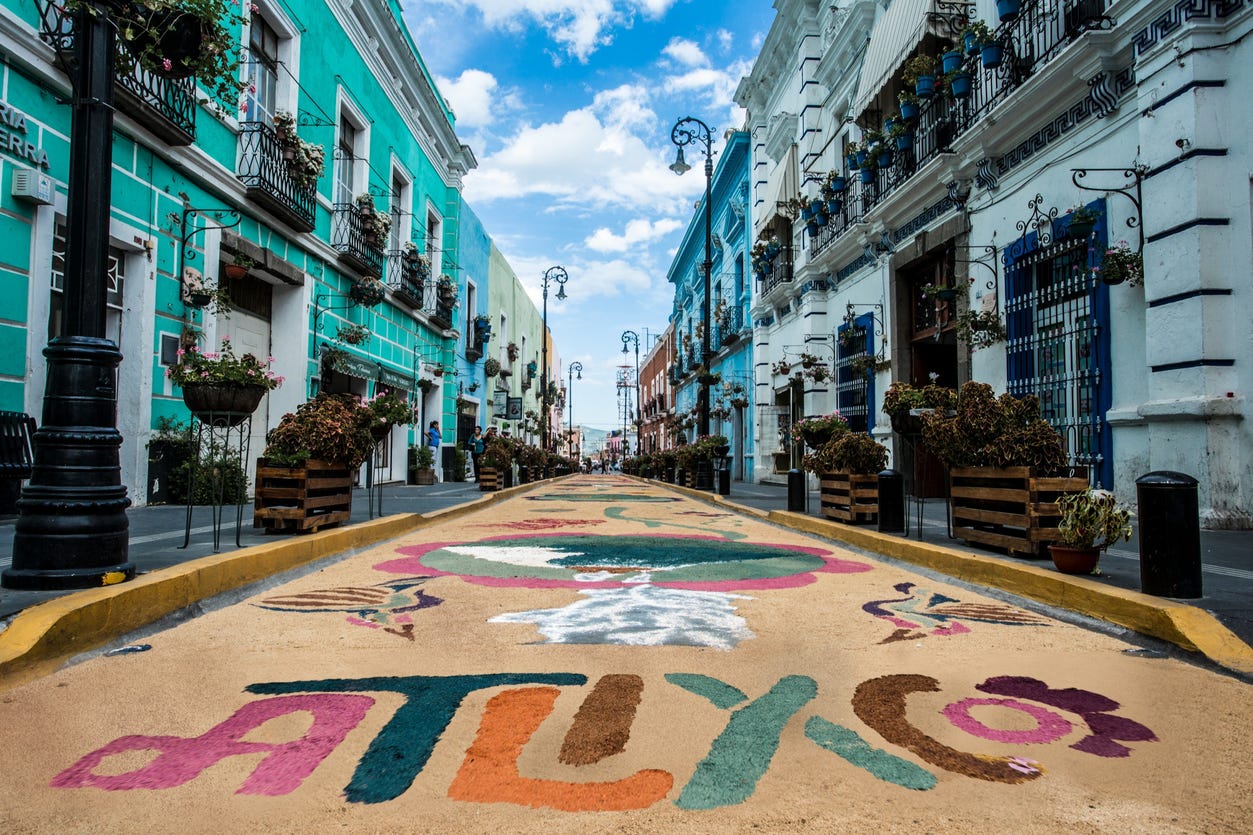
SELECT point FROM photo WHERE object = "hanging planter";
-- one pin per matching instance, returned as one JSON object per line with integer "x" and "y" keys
{"x": 884, "y": 157}
{"x": 838, "y": 183}
{"x": 1008, "y": 9}
{"x": 909, "y": 109}
{"x": 960, "y": 85}
{"x": 992, "y": 54}
{"x": 833, "y": 206}
{"x": 867, "y": 175}
{"x": 950, "y": 61}
{"x": 924, "y": 87}
{"x": 367, "y": 292}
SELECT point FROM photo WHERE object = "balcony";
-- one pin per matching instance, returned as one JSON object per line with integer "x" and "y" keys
{"x": 443, "y": 313}
{"x": 728, "y": 327}
{"x": 269, "y": 183}
{"x": 165, "y": 106}
{"x": 778, "y": 270}
{"x": 357, "y": 250}
{"x": 408, "y": 278}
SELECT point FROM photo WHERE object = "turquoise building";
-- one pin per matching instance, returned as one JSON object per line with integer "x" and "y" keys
{"x": 730, "y": 339}
{"x": 350, "y": 274}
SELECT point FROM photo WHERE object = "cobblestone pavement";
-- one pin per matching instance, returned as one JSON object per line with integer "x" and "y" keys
{"x": 600, "y": 655}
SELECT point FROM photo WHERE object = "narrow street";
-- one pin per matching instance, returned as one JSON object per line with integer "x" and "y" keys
{"x": 601, "y": 655}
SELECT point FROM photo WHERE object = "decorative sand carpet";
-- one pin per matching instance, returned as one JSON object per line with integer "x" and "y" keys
{"x": 602, "y": 656}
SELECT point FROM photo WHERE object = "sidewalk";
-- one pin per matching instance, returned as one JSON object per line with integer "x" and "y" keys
{"x": 156, "y": 533}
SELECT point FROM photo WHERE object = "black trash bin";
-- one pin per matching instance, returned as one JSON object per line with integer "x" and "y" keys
{"x": 1170, "y": 534}
{"x": 891, "y": 502}
{"x": 795, "y": 491}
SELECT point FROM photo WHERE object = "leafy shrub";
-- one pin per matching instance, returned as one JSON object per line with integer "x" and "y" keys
{"x": 988, "y": 431}
{"x": 330, "y": 427}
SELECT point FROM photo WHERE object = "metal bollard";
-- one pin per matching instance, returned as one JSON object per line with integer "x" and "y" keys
{"x": 891, "y": 502}
{"x": 1170, "y": 534}
{"x": 724, "y": 482}
{"x": 795, "y": 491}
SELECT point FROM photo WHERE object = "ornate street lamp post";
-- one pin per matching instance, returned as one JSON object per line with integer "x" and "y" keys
{"x": 689, "y": 131}
{"x": 558, "y": 275}
{"x": 573, "y": 369}
{"x": 72, "y": 531}
{"x": 633, "y": 338}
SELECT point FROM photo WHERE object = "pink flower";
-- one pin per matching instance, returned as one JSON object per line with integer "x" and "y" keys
{"x": 166, "y": 64}
{"x": 254, "y": 8}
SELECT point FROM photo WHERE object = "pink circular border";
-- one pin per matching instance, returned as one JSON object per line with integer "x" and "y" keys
{"x": 1050, "y": 726}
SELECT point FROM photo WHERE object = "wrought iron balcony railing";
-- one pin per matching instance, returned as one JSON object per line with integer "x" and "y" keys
{"x": 780, "y": 270}
{"x": 358, "y": 249}
{"x": 267, "y": 176}
{"x": 409, "y": 279}
{"x": 443, "y": 313}
{"x": 728, "y": 327}
{"x": 165, "y": 106}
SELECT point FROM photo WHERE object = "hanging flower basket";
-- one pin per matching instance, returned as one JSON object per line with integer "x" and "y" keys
{"x": 219, "y": 403}
{"x": 367, "y": 293}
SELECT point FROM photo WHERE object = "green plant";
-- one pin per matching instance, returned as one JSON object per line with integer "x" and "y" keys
{"x": 423, "y": 457}
{"x": 374, "y": 222}
{"x": 980, "y": 329}
{"x": 352, "y": 334}
{"x": 1120, "y": 263}
{"x": 901, "y": 398}
{"x": 330, "y": 427}
{"x": 458, "y": 464}
{"x": 1093, "y": 519}
{"x": 157, "y": 31}
{"x": 832, "y": 422}
{"x": 367, "y": 292}
{"x": 1082, "y": 214}
{"x": 988, "y": 431}
{"x": 917, "y": 67}
{"x": 978, "y": 32}
{"x": 221, "y": 368}
{"x": 907, "y": 97}
{"x": 214, "y": 472}
{"x": 389, "y": 409}
{"x": 899, "y": 128}
{"x": 497, "y": 454}
{"x": 491, "y": 367}
{"x": 850, "y": 452}
{"x": 306, "y": 162}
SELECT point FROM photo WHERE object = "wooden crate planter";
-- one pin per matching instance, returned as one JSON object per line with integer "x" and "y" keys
{"x": 1013, "y": 509}
{"x": 298, "y": 499}
{"x": 847, "y": 497}
{"x": 489, "y": 479}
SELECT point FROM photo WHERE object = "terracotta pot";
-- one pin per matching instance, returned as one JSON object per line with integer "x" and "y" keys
{"x": 1074, "y": 560}
{"x": 235, "y": 271}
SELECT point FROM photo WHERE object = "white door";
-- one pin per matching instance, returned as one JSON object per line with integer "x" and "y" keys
{"x": 251, "y": 335}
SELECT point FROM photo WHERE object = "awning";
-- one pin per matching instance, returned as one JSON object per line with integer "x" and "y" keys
{"x": 893, "y": 38}
{"x": 395, "y": 379}
{"x": 354, "y": 366}
{"x": 781, "y": 186}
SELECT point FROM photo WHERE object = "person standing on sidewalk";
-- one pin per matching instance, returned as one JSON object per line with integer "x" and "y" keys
{"x": 476, "y": 450}
{"x": 432, "y": 441}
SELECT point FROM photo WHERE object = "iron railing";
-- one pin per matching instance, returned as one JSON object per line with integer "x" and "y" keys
{"x": 139, "y": 93}
{"x": 409, "y": 279}
{"x": 357, "y": 249}
{"x": 729, "y": 327}
{"x": 268, "y": 179}
{"x": 780, "y": 270}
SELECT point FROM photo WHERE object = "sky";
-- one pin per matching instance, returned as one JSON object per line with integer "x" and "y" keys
{"x": 568, "y": 106}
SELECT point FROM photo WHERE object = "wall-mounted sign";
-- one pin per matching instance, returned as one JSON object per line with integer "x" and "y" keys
{"x": 499, "y": 405}
{"x": 514, "y": 409}
{"x": 13, "y": 137}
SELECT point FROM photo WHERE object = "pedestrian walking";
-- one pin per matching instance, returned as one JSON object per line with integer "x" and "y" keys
{"x": 433, "y": 441}
{"x": 476, "y": 450}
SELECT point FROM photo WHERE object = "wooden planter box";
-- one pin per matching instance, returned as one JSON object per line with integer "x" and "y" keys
{"x": 849, "y": 498}
{"x": 489, "y": 479}
{"x": 1014, "y": 509}
{"x": 424, "y": 475}
{"x": 298, "y": 499}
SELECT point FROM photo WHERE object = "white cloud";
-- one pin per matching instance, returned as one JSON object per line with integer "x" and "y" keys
{"x": 638, "y": 231}
{"x": 685, "y": 52}
{"x": 470, "y": 96}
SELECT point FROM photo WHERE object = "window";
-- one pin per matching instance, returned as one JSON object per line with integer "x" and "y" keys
{"x": 472, "y": 339}
{"x": 345, "y": 162}
{"x": 398, "y": 234}
{"x": 261, "y": 71}
{"x": 115, "y": 275}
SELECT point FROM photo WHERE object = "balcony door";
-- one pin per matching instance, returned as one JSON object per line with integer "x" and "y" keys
{"x": 261, "y": 72}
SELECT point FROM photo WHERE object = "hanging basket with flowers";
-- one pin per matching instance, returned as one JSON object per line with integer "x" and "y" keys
{"x": 184, "y": 38}
{"x": 306, "y": 162}
{"x": 220, "y": 387}
{"x": 1121, "y": 263}
{"x": 353, "y": 334}
{"x": 367, "y": 292}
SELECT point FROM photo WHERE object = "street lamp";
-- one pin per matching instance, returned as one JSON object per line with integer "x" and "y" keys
{"x": 72, "y": 531}
{"x": 628, "y": 338}
{"x": 573, "y": 369}
{"x": 559, "y": 275}
{"x": 688, "y": 131}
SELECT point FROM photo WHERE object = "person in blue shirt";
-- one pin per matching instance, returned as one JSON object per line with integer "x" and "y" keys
{"x": 433, "y": 440}
{"x": 476, "y": 449}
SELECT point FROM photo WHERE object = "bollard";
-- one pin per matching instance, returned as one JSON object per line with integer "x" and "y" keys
{"x": 795, "y": 491}
{"x": 705, "y": 475}
{"x": 891, "y": 502}
{"x": 1170, "y": 534}
{"x": 724, "y": 482}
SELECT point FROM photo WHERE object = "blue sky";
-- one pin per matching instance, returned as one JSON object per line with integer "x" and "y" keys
{"x": 568, "y": 105}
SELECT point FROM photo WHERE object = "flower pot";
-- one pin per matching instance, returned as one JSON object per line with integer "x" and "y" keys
{"x": 812, "y": 228}
{"x": 366, "y": 294}
{"x": 924, "y": 87}
{"x": 884, "y": 157}
{"x": 904, "y": 142}
{"x": 972, "y": 45}
{"x": 950, "y": 61}
{"x": 867, "y": 175}
{"x": 1074, "y": 560}
{"x": 807, "y": 211}
{"x": 909, "y": 110}
{"x": 235, "y": 271}
{"x": 833, "y": 206}
{"x": 991, "y": 54}
{"x": 222, "y": 403}
{"x": 1008, "y": 9}
{"x": 946, "y": 294}
{"x": 961, "y": 85}
{"x": 1080, "y": 229}
{"x": 171, "y": 34}
{"x": 199, "y": 299}
{"x": 861, "y": 157}
{"x": 815, "y": 438}
{"x": 289, "y": 153}
{"x": 851, "y": 160}
{"x": 838, "y": 184}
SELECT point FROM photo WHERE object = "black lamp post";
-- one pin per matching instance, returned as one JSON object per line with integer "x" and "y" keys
{"x": 633, "y": 338}
{"x": 72, "y": 531}
{"x": 688, "y": 131}
{"x": 573, "y": 369}
{"x": 557, "y": 274}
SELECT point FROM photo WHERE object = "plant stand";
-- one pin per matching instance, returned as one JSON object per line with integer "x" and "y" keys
{"x": 848, "y": 497}
{"x": 299, "y": 499}
{"x": 373, "y": 490}
{"x": 224, "y": 436}
{"x": 1014, "y": 509}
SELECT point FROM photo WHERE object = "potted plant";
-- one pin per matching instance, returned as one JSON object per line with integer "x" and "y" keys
{"x": 1008, "y": 10}
{"x": 975, "y": 35}
{"x": 938, "y": 293}
{"x": 958, "y": 83}
{"x": 980, "y": 329}
{"x": 512, "y": 351}
{"x": 446, "y": 289}
{"x": 200, "y": 293}
{"x": 817, "y": 430}
{"x": 304, "y": 479}
{"x": 909, "y": 104}
{"x": 491, "y": 367}
{"x": 782, "y": 367}
{"x": 387, "y": 410}
{"x": 422, "y": 464}
{"x": 847, "y": 467}
{"x": 221, "y": 386}
{"x": 239, "y": 267}
{"x": 1091, "y": 521}
{"x": 819, "y": 373}
{"x": 1082, "y": 221}
{"x": 496, "y": 459}
{"x": 352, "y": 334}
{"x": 919, "y": 73}
{"x": 367, "y": 292}
{"x": 185, "y": 38}
{"x": 374, "y": 224}
{"x": 902, "y": 135}
{"x": 1121, "y": 263}
{"x": 306, "y": 162}
{"x": 950, "y": 60}
{"x": 902, "y": 400}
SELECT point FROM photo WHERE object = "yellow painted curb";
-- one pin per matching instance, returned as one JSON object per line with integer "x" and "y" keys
{"x": 40, "y": 638}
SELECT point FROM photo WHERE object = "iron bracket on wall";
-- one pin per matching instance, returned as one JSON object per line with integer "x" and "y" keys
{"x": 1133, "y": 177}
{"x": 219, "y": 215}
{"x": 988, "y": 261}
{"x": 1039, "y": 221}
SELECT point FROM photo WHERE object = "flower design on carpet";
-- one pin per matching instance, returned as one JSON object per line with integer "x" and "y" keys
{"x": 921, "y": 613}
{"x": 387, "y": 606}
